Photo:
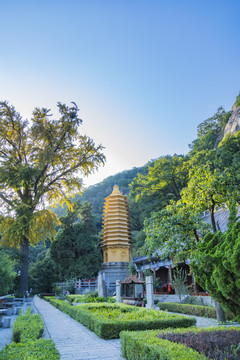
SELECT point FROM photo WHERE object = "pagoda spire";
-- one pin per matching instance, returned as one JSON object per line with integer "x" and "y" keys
{"x": 116, "y": 228}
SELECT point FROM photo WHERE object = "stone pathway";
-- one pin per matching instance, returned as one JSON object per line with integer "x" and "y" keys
{"x": 6, "y": 333}
{"x": 206, "y": 322}
{"x": 73, "y": 340}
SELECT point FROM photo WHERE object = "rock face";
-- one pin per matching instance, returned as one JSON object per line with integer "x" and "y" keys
{"x": 233, "y": 124}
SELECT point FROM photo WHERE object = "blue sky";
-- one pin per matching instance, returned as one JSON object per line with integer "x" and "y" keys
{"x": 144, "y": 73}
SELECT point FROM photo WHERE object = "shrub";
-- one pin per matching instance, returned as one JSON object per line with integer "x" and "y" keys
{"x": 89, "y": 298}
{"x": 108, "y": 320}
{"x": 27, "y": 327}
{"x": 42, "y": 349}
{"x": 205, "y": 311}
{"x": 193, "y": 300}
{"x": 155, "y": 345}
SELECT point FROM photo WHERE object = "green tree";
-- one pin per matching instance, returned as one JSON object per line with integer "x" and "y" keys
{"x": 42, "y": 275}
{"x": 209, "y": 188}
{"x": 216, "y": 265}
{"x": 210, "y": 132}
{"x": 164, "y": 181}
{"x": 7, "y": 273}
{"x": 174, "y": 230}
{"x": 41, "y": 163}
{"x": 76, "y": 251}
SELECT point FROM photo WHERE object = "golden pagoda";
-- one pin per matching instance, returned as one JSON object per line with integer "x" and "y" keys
{"x": 116, "y": 228}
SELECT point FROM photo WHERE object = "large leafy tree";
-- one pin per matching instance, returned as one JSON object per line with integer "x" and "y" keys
{"x": 209, "y": 188}
{"x": 42, "y": 162}
{"x": 164, "y": 181}
{"x": 175, "y": 230}
{"x": 76, "y": 251}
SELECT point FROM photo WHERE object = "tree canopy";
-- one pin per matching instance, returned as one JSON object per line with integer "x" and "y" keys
{"x": 76, "y": 251}
{"x": 42, "y": 162}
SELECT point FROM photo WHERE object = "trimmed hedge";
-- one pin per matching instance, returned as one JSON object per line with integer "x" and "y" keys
{"x": 197, "y": 310}
{"x": 42, "y": 349}
{"x": 108, "y": 320}
{"x": 26, "y": 330}
{"x": 139, "y": 345}
{"x": 27, "y": 327}
{"x": 89, "y": 298}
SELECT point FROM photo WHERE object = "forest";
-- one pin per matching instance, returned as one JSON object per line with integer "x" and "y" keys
{"x": 166, "y": 198}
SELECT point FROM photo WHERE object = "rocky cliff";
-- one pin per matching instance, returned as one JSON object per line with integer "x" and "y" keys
{"x": 233, "y": 124}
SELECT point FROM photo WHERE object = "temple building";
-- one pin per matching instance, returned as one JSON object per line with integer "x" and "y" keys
{"x": 116, "y": 242}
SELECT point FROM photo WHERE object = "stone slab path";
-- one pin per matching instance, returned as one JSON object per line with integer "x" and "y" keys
{"x": 6, "y": 333}
{"x": 207, "y": 322}
{"x": 73, "y": 340}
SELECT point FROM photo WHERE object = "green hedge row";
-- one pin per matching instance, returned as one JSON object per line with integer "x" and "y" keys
{"x": 89, "y": 298}
{"x": 42, "y": 349}
{"x": 197, "y": 310}
{"x": 139, "y": 345}
{"x": 108, "y": 320}
{"x": 27, "y": 329}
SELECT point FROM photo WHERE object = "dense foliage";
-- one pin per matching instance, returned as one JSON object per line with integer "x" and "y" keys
{"x": 42, "y": 274}
{"x": 7, "y": 273}
{"x": 216, "y": 265}
{"x": 76, "y": 251}
{"x": 41, "y": 162}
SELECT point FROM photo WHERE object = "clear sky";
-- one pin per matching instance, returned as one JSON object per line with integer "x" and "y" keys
{"x": 144, "y": 73}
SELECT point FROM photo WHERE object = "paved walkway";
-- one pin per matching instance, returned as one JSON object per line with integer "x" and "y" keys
{"x": 206, "y": 322}
{"x": 6, "y": 333}
{"x": 73, "y": 340}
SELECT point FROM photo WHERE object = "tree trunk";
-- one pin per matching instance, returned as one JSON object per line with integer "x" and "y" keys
{"x": 220, "y": 313}
{"x": 214, "y": 227}
{"x": 24, "y": 266}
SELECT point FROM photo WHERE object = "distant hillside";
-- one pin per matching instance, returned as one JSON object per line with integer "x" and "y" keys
{"x": 96, "y": 194}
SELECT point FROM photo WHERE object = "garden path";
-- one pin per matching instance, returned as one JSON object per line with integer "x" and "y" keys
{"x": 73, "y": 340}
{"x": 206, "y": 322}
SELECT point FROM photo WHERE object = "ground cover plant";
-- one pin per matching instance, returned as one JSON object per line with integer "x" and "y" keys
{"x": 27, "y": 345}
{"x": 108, "y": 320}
{"x": 197, "y": 310}
{"x": 217, "y": 343}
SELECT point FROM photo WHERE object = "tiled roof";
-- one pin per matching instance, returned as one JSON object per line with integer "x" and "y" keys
{"x": 132, "y": 279}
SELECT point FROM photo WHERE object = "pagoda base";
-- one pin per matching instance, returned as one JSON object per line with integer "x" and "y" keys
{"x": 112, "y": 271}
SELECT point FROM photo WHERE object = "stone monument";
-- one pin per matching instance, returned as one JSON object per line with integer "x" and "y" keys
{"x": 116, "y": 242}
